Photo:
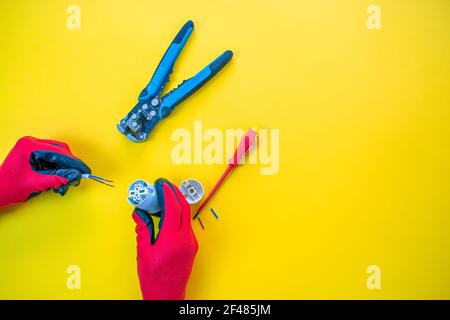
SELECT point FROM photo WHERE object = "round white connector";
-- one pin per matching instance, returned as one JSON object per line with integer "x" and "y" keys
{"x": 142, "y": 195}
{"x": 192, "y": 190}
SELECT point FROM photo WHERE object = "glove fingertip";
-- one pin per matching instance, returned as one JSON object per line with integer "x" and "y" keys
{"x": 79, "y": 165}
{"x": 162, "y": 184}
{"x": 83, "y": 167}
{"x": 159, "y": 183}
{"x": 62, "y": 190}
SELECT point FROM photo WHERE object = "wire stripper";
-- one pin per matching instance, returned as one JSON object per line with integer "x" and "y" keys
{"x": 151, "y": 108}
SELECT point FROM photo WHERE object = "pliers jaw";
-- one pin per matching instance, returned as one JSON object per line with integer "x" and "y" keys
{"x": 137, "y": 125}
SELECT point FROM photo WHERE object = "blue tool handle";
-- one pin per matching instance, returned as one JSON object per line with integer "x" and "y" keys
{"x": 188, "y": 87}
{"x": 165, "y": 67}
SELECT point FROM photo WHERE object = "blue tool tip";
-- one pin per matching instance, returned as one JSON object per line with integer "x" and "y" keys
{"x": 189, "y": 24}
{"x": 228, "y": 54}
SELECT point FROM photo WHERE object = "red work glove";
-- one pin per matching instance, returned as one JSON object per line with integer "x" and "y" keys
{"x": 165, "y": 260}
{"x": 36, "y": 165}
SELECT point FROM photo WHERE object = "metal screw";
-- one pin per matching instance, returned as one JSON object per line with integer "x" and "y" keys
{"x": 154, "y": 102}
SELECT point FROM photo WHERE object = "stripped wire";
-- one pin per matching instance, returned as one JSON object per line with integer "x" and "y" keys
{"x": 98, "y": 179}
{"x": 201, "y": 223}
{"x": 214, "y": 213}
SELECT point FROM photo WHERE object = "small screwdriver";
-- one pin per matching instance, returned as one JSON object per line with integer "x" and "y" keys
{"x": 246, "y": 143}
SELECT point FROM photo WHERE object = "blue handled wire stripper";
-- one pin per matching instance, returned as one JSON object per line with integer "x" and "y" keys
{"x": 151, "y": 108}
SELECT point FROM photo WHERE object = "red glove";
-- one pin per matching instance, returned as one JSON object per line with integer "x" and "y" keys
{"x": 36, "y": 165}
{"x": 165, "y": 260}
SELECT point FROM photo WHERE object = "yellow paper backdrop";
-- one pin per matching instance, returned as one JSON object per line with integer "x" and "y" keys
{"x": 364, "y": 145}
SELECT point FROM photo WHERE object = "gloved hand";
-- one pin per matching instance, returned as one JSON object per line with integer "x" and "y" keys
{"x": 165, "y": 260}
{"x": 36, "y": 165}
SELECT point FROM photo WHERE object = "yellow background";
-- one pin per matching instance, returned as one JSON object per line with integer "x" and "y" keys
{"x": 364, "y": 145}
